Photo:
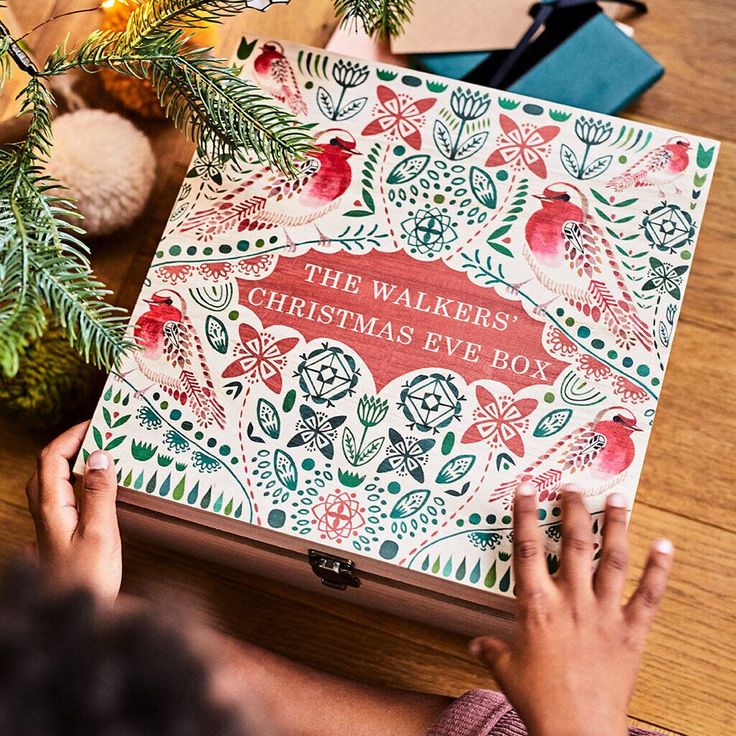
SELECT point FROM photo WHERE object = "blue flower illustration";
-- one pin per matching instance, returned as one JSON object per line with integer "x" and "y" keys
{"x": 175, "y": 442}
{"x": 429, "y": 231}
{"x": 148, "y": 418}
{"x": 406, "y": 456}
{"x": 206, "y": 463}
{"x": 316, "y": 431}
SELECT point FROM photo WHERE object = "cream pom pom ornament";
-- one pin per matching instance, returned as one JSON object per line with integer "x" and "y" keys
{"x": 107, "y": 166}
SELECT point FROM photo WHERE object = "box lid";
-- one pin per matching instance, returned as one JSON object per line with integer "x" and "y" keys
{"x": 461, "y": 290}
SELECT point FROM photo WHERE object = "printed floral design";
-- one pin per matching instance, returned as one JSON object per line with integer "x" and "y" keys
{"x": 380, "y": 444}
{"x": 317, "y": 431}
{"x": 372, "y": 410}
{"x": 206, "y": 463}
{"x": 339, "y": 516}
{"x": 431, "y": 402}
{"x": 175, "y": 441}
{"x": 668, "y": 227}
{"x": 208, "y": 165}
{"x": 327, "y": 374}
{"x": 629, "y": 391}
{"x": 406, "y": 456}
{"x": 665, "y": 278}
{"x": 399, "y": 116}
{"x": 262, "y": 358}
{"x": 347, "y": 74}
{"x": 590, "y": 132}
{"x": 254, "y": 268}
{"x": 561, "y": 344}
{"x": 467, "y": 105}
{"x": 429, "y": 231}
{"x": 593, "y": 368}
{"x": 500, "y": 422}
{"x": 215, "y": 271}
{"x": 524, "y": 146}
{"x": 174, "y": 274}
{"x": 148, "y": 418}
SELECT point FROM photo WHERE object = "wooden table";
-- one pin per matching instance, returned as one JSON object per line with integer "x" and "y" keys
{"x": 687, "y": 491}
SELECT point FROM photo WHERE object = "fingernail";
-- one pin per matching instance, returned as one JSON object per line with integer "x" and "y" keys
{"x": 474, "y": 648}
{"x": 572, "y": 488}
{"x": 525, "y": 489}
{"x": 616, "y": 501}
{"x": 98, "y": 461}
{"x": 664, "y": 546}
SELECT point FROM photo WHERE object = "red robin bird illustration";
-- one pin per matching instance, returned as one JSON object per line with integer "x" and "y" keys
{"x": 276, "y": 76}
{"x": 171, "y": 356}
{"x": 595, "y": 456}
{"x": 563, "y": 241}
{"x": 659, "y": 168}
{"x": 270, "y": 199}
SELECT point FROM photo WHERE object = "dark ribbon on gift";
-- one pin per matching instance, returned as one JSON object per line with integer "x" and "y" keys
{"x": 544, "y": 10}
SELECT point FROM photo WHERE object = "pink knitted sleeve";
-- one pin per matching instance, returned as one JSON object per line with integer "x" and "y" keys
{"x": 486, "y": 713}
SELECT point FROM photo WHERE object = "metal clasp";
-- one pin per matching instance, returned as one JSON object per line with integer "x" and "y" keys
{"x": 334, "y": 572}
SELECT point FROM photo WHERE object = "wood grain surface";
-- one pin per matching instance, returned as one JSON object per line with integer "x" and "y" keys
{"x": 687, "y": 492}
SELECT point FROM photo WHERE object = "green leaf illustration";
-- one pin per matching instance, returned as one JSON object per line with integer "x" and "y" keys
{"x": 483, "y": 187}
{"x": 216, "y": 334}
{"x": 408, "y": 169}
{"x": 598, "y": 166}
{"x": 349, "y": 445}
{"x": 705, "y": 156}
{"x": 569, "y": 160}
{"x": 285, "y": 468}
{"x": 409, "y": 504}
{"x": 455, "y": 469}
{"x": 369, "y": 451}
{"x": 442, "y": 138}
{"x": 470, "y": 145}
{"x": 268, "y": 418}
{"x": 552, "y": 423}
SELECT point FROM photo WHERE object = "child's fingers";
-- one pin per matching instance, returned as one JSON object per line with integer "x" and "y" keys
{"x": 97, "y": 513}
{"x": 611, "y": 573}
{"x": 577, "y": 542}
{"x": 57, "y": 507}
{"x": 643, "y": 604}
{"x": 492, "y": 652}
{"x": 530, "y": 569}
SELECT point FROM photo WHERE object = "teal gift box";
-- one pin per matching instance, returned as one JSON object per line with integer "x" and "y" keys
{"x": 582, "y": 58}
{"x": 597, "y": 68}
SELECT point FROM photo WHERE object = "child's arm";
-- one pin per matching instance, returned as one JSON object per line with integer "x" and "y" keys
{"x": 572, "y": 667}
{"x": 79, "y": 544}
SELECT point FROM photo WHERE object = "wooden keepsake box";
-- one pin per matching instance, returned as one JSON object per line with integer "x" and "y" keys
{"x": 341, "y": 378}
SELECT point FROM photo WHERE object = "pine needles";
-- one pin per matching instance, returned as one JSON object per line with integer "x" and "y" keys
{"x": 384, "y": 18}
{"x": 43, "y": 263}
{"x": 203, "y": 96}
{"x": 42, "y": 260}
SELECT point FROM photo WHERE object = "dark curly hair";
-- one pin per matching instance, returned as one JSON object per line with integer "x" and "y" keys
{"x": 67, "y": 669}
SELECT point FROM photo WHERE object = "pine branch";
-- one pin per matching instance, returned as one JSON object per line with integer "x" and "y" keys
{"x": 384, "y": 18}
{"x": 41, "y": 257}
{"x": 155, "y": 17}
{"x": 203, "y": 96}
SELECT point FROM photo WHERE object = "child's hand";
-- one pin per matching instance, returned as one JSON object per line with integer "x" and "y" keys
{"x": 78, "y": 540}
{"x": 572, "y": 668}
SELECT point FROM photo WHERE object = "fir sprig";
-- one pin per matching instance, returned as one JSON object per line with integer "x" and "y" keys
{"x": 42, "y": 259}
{"x": 203, "y": 96}
{"x": 151, "y": 19}
{"x": 384, "y": 18}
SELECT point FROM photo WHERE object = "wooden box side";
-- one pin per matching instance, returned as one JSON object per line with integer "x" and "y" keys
{"x": 266, "y": 554}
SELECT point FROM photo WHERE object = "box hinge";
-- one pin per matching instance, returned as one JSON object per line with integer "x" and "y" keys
{"x": 334, "y": 572}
